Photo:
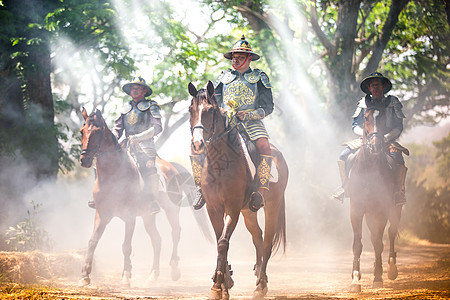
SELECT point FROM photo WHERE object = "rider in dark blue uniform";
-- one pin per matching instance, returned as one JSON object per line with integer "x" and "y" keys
{"x": 375, "y": 86}
{"x": 140, "y": 119}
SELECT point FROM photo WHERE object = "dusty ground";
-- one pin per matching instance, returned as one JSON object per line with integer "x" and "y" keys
{"x": 424, "y": 273}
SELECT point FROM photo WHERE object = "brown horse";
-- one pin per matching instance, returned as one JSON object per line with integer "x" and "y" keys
{"x": 226, "y": 184}
{"x": 371, "y": 191}
{"x": 117, "y": 193}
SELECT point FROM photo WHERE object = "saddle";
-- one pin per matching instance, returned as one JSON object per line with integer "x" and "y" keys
{"x": 356, "y": 145}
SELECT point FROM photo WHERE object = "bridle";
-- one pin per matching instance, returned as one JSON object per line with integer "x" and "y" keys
{"x": 211, "y": 132}
{"x": 94, "y": 152}
{"x": 370, "y": 137}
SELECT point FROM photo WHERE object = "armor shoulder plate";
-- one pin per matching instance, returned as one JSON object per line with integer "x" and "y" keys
{"x": 265, "y": 80}
{"x": 155, "y": 110}
{"x": 256, "y": 75}
{"x": 253, "y": 76}
{"x": 397, "y": 105}
{"x": 359, "y": 107}
{"x": 144, "y": 105}
{"x": 126, "y": 108}
{"x": 227, "y": 77}
{"x": 219, "y": 79}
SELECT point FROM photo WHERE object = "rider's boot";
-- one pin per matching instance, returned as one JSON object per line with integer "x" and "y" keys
{"x": 91, "y": 204}
{"x": 257, "y": 199}
{"x": 339, "y": 194}
{"x": 399, "y": 184}
{"x": 151, "y": 191}
{"x": 197, "y": 167}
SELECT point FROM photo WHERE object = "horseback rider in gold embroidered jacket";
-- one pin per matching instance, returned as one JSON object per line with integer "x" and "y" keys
{"x": 245, "y": 95}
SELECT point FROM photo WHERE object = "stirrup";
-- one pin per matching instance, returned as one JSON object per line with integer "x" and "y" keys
{"x": 399, "y": 198}
{"x": 91, "y": 204}
{"x": 154, "y": 207}
{"x": 256, "y": 201}
{"x": 199, "y": 200}
{"x": 339, "y": 195}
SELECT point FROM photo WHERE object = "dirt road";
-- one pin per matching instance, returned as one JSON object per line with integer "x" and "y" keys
{"x": 424, "y": 273}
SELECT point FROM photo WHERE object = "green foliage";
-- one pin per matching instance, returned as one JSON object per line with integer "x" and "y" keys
{"x": 427, "y": 212}
{"x": 443, "y": 158}
{"x": 418, "y": 61}
{"x": 27, "y": 234}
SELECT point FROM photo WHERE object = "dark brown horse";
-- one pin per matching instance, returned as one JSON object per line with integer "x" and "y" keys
{"x": 371, "y": 189}
{"x": 117, "y": 193}
{"x": 226, "y": 184}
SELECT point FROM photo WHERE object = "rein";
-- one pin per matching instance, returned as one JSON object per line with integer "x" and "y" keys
{"x": 96, "y": 150}
{"x": 211, "y": 132}
{"x": 369, "y": 137}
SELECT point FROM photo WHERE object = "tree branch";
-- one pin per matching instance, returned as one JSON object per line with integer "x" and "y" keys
{"x": 380, "y": 45}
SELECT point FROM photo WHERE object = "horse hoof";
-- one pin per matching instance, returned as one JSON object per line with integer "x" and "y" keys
{"x": 355, "y": 288}
{"x": 259, "y": 293}
{"x": 84, "y": 281}
{"x": 152, "y": 278}
{"x": 392, "y": 271}
{"x": 377, "y": 285}
{"x": 126, "y": 279}
{"x": 215, "y": 294}
{"x": 175, "y": 273}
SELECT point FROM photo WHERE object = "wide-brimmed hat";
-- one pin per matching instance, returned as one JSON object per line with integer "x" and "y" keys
{"x": 365, "y": 83}
{"x": 139, "y": 81}
{"x": 241, "y": 46}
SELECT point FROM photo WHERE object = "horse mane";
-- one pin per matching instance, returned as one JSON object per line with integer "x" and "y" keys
{"x": 96, "y": 117}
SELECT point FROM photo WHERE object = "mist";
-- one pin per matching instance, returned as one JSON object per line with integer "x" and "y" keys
{"x": 299, "y": 126}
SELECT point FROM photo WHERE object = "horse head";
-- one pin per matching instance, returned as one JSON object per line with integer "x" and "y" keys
{"x": 203, "y": 113}
{"x": 92, "y": 135}
{"x": 374, "y": 129}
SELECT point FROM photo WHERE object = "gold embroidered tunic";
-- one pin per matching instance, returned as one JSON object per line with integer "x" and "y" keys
{"x": 249, "y": 91}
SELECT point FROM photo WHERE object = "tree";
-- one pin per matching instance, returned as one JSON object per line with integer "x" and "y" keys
{"x": 404, "y": 39}
{"x": 443, "y": 158}
{"x": 35, "y": 123}
{"x": 27, "y": 105}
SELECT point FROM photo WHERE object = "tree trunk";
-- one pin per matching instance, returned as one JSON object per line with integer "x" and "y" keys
{"x": 343, "y": 91}
{"x": 44, "y": 155}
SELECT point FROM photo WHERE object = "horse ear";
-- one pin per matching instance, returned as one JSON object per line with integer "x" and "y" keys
{"x": 210, "y": 89}
{"x": 192, "y": 90}
{"x": 84, "y": 113}
{"x": 98, "y": 113}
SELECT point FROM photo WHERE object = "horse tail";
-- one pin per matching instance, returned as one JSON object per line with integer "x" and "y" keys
{"x": 279, "y": 238}
{"x": 187, "y": 184}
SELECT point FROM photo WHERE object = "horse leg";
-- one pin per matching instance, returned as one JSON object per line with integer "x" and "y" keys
{"x": 222, "y": 276}
{"x": 251, "y": 223}
{"x": 130, "y": 224}
{"x": 356, "y": 217}
{"x": 172, "y": 213}
{"x": 376, "y": 228}
{"x": 155, "y": 237}
{"x": 99, "y": 227}
{"x": 394, "y": 221}
{"x": 270, "y": 227}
